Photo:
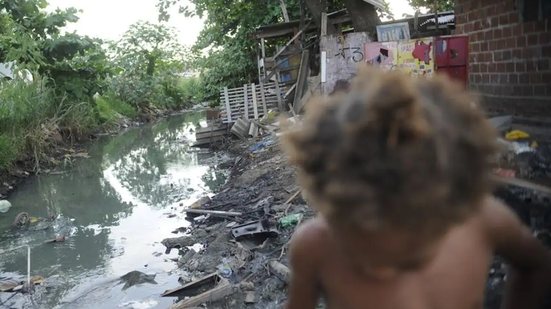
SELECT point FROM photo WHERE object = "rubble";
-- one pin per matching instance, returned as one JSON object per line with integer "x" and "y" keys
{"x": 262, "y": 198}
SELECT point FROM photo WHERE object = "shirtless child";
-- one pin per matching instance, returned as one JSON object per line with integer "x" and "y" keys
{"x": 398, "y": 169}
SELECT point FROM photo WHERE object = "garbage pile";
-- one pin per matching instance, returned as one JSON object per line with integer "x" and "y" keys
{"x": 235, "y": 252}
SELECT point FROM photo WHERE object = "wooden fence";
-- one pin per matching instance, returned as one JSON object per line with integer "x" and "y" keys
{"x": 251, "y": 101}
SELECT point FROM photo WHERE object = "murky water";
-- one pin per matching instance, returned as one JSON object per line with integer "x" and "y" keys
{"x": 114, "y": 208}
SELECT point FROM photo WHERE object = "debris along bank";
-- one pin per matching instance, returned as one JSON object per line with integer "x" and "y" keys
{"x": 244, "y": 230}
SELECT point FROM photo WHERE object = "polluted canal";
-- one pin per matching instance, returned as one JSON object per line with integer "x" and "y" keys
{"x": 114, "y": 208}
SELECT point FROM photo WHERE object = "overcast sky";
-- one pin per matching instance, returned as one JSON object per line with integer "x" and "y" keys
{"x": 109, "y": 19}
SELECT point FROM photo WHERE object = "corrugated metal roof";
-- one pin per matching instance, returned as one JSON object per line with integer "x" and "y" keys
{"x": 376, "y": 3}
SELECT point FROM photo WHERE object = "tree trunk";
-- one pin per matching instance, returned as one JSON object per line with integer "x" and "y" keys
{"x": 364, "y": 16}
{"x": 316, "y": 7}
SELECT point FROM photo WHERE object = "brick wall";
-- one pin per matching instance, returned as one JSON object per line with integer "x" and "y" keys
{"x": 510, "y": 60}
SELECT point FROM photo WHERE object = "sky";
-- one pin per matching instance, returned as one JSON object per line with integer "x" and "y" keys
{"x": 109, "y": 19}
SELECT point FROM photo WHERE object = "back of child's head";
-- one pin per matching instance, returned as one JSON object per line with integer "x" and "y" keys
{"x": 394, "y": 151}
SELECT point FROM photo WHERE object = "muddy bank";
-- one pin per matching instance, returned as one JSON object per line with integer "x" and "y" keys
{"x": 64, "y": 150}
{"x": 262, "y": 189}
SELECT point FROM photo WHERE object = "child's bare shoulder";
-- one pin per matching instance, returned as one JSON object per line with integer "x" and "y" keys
{"x": 309, "y": 240}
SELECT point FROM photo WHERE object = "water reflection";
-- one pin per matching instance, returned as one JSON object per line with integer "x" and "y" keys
{"x": 113, "y": 207}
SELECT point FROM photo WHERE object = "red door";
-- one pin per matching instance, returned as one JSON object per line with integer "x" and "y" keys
{"x": 452, "y": 54}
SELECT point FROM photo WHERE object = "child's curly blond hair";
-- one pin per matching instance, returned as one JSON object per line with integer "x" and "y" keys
{"x": 394, "y": 151}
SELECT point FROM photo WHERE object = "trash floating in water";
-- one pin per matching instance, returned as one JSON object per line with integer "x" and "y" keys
{"x": 4, "y": 206}
{"x": 290, "y": 220}
{"x": 136, "y": 277}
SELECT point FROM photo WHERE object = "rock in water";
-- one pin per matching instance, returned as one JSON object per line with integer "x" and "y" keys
{"x": 136, "y": 277}
{"x": 4, "y": 206}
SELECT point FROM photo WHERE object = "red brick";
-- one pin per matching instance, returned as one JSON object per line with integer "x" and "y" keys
{"x": 510, "y": 42}
{"x": 539, "y": 90}
{"x": 520, "y": 67}
{"x": 501, "y": 44}
{"x": 484, "y": 46}
{"x": 506, "y": 55}
{"x": 492, "y": 45}
{"x": 532, "y": 39}
{"x": 513, "y": 17}
{"x": 513, "y": 78}
{"x": 534, "y": 77}
{"x": 478, "y": 25}
{"x": 546, "y": 51}
{"x": 494, "y": 21}
{"x": 506, "y": 32}
{"x": 528, "y": 27}
{"x": 504, "y": 19}
{"x": 483, "y": 67}
{"x": 494, "y": 78}
{"x": 490, "y": 10}
{"x": 510, "y": 67}
{"x": 501, "y": 67}
{"x": 543, "y": 65}
{"x": 475, "y": 68}
{"x": 521, "y": 41}
{"x": 539, "y": 26}
{"x": 485, "y": 78}
{"x": 532, "y": 52}
{"x": 516, "y": 29}
{"x": 497, "y": 33}
{"x": 523, "y": 78}
{"x": 503, "y": 79}
{"x": 517, "y": 53}
{"x": 498, "y": 56}
{"x": 475, "y": 47}
{"x": 492, "y": 67}
{"x": 545, "y": 38}
{"x": 488, "y": 35}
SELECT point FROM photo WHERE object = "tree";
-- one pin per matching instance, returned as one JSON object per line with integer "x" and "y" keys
{"x": 226, "y": 51}
{"x": 432, "y": 5}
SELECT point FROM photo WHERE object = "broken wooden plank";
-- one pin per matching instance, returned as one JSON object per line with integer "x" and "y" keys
{"x": 190, "y": 289}
{"x": 241, "y": 128}
{"x": 280, "y": 105}
{"x": 224, "y": 289}
{"x": 255, "y": 102}
{"x": 281, "y": 271}
{"x": 522, "y": 183}
{"x": 227, "y": 100}
{"x": 301, "y": 80}
{"x": 291, "y": 40}
{"x": 263, "y": 98}
{"x": 214, "y": 213}
{"x": 323, "y": 23}
{"x": 245, "y": 102}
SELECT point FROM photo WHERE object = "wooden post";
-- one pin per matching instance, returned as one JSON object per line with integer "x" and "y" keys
{"x": 246, "y": 102}
{"x": 263, "y": 98}
{"x": 323, "y": 23}
{"x": 279, "y": 100}
{"x": 301, "y": 79}
{"x": 284, "y": 10}
{"x": 228, "y": 107}
{"x": 263, "y": 60}
{"x": 255, "y": 103}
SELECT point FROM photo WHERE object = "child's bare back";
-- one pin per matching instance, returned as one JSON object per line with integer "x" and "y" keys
{"x": 399, "y": 172}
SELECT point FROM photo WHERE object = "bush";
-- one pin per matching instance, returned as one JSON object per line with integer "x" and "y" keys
{"x": 110, "y": 109}
{"x": 9, "y": 151}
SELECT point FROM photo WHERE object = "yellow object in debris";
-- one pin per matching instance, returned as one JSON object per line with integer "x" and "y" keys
{"x": 534, "y": 145}
{"x": 33, "y": 220}
{"x": 516, "y": 135}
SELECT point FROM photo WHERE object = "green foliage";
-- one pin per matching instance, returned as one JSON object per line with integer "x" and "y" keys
{"x": 149, "y": 60}
{"x": 9, "y": 150}
{"x": 110, "y": 109}
{"x": 431, "y": 5}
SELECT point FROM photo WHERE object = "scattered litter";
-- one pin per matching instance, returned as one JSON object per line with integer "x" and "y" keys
{"x": 200, "y": 203}
{"x": 195, "y": 287}
{"x": 254, "y": 229}
{"x": 250, "y": 297}
{"x": 515, "y": 135}
{"x": 4, "y": 206}
{"x": 281, "y": 271}
{"x": 290, "y": 220}
{"x": 502, "y": 123}
{"x": 214, "y": 213}
{"x": 224, "y": 269}
{"x": 136, "y": 277}
{"x": 223, "y": 289}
